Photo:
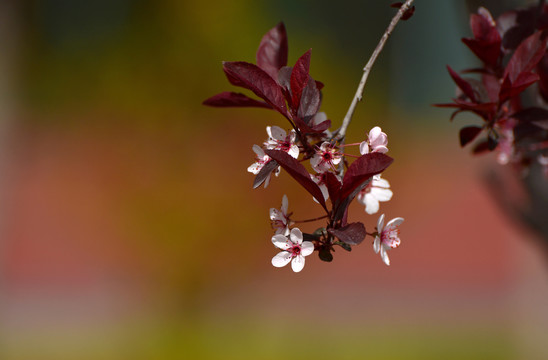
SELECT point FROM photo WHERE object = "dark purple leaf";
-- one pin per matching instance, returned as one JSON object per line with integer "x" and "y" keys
{"x": 480, "y": 148}
{"x": 333, "y": 186}
{"x": 272, "y": 52}
{"x": 351, "y": 234}
{"x": 542, "y": 71}
{"x": 357, "y": 176}
{"x": 298, "y": 172}
{"x": 232, "y": 99}
{"x": 468, "y": 134}
{"x": 526, "y": 56}
{"x": 310, "y": 100}
{"x": 362, "y": 169}
{"x": 325, "y": 254}
{"x": 265, "y": 172}
{"x": 299, "y": 78}
{"x": 486, "y": 41}
{"x": 531, "y": 114}
{"x": 321, "y": 127}
{"x": 319, "y": 85}
{"x": 466, "y": 88}
{"x": 543, "y": 124}
{"x": 523, "y": 81}
{"x": 251, "y": 77}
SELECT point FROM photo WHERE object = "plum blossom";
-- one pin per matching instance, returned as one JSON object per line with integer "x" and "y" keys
{"x": 376, "y": 142}
{"x": 387, "y": 237}
{"x": 260, "y": 161}
{"x": 280, "y": 218}
{"x": 294, "y": 250}
{"x": 326, "y": 158}
{"x": 278, "y": 139}
{"x": 377, "y": 190}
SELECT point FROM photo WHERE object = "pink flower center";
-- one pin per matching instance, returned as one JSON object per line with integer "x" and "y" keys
{"x": 390, "y": 236}
{"x": 295, "y": 250}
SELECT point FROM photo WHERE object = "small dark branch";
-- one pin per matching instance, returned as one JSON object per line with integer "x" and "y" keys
{"x": 359, "y": 92}
{"x": 310, "y": 220}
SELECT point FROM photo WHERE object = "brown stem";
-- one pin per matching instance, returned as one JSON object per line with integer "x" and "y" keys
{"x": 310, "y": 220}
{"x": 359, "y": 92}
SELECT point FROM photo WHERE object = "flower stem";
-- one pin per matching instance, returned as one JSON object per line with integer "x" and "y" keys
{"x": 359, "y": 92}
{"x": 310, "y": 220}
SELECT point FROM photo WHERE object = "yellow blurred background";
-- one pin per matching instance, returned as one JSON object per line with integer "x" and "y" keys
{"x": 129, "y": 228}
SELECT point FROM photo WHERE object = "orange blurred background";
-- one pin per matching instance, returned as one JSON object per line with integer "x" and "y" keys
{"x": 130, "y": 229}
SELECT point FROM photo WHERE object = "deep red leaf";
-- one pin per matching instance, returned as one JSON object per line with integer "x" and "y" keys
{"x": 480, "y": 148}
{"x": 357, "y": 176}
{"x": 543, "y": 124}
{"x": 362, "y": 169}
{"x": 542, "y": 71}
{"x": 463, "y": 84}
{"x": 468, "y": 134}
{"x": 272, "y": 52}
{"x": 299, "y": 78}
{"x": 485, "y": 51}
{"x": 310, "y": 100}
{"x": 483, "y": 26}
{"x": 232, "y": 99}
{"x": 321, "y": 127}
{"x": 526, "y": 56}
{"x": 487, "y": 40}
{"x": 509, "y": 89}
{"x": 298, "y": 172}
{"x": 333, "y": 186}
{"x": 250, "y": 76}
{"x": 351, "y": 234}
{"x": 531, "y": 114}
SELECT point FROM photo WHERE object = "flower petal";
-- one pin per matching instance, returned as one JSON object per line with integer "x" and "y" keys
{"x": 364, "y": 148}
{"x": 395, "y": 222}
{"x": 276, "y": 132}
{"x": 293, "y": 151}
{"x": 276, "y": 214}
{"x": 371, "y": 204}
{"x": 307, "y": 248}
{"x": 381, "y": 194}
{"x": 377, "y": 244}
{"x": 380, "y": 223}
{"x": 259, "y": 151}
{"x": 281, "y": 259}
{"x": 281, "y": 242}
{"x": 296, "y": 236}
{"x": 255, "y": 168}
{"x": 297, "y": 264}
{"x": 384, "y": 256}
{"x": 374, "y": 133}
{"x": 285, "y": 204}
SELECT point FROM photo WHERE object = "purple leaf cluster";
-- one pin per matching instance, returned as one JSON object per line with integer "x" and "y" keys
{"x": 511, "y": 94}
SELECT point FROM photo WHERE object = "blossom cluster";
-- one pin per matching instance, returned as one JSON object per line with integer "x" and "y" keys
{"x": 312, "y": 155}
{"x": 511, "y": 95}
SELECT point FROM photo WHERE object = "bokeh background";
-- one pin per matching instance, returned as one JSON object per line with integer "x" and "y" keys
{"x": 129, "y": 229}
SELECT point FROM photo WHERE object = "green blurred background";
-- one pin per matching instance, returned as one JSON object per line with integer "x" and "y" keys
{"x": 129, "y": 229}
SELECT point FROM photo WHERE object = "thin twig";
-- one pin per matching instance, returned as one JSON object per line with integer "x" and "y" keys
{"x": 359, "y": 93}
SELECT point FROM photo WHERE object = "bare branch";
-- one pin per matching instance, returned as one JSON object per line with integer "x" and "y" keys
{"x": 359, "y": 92}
